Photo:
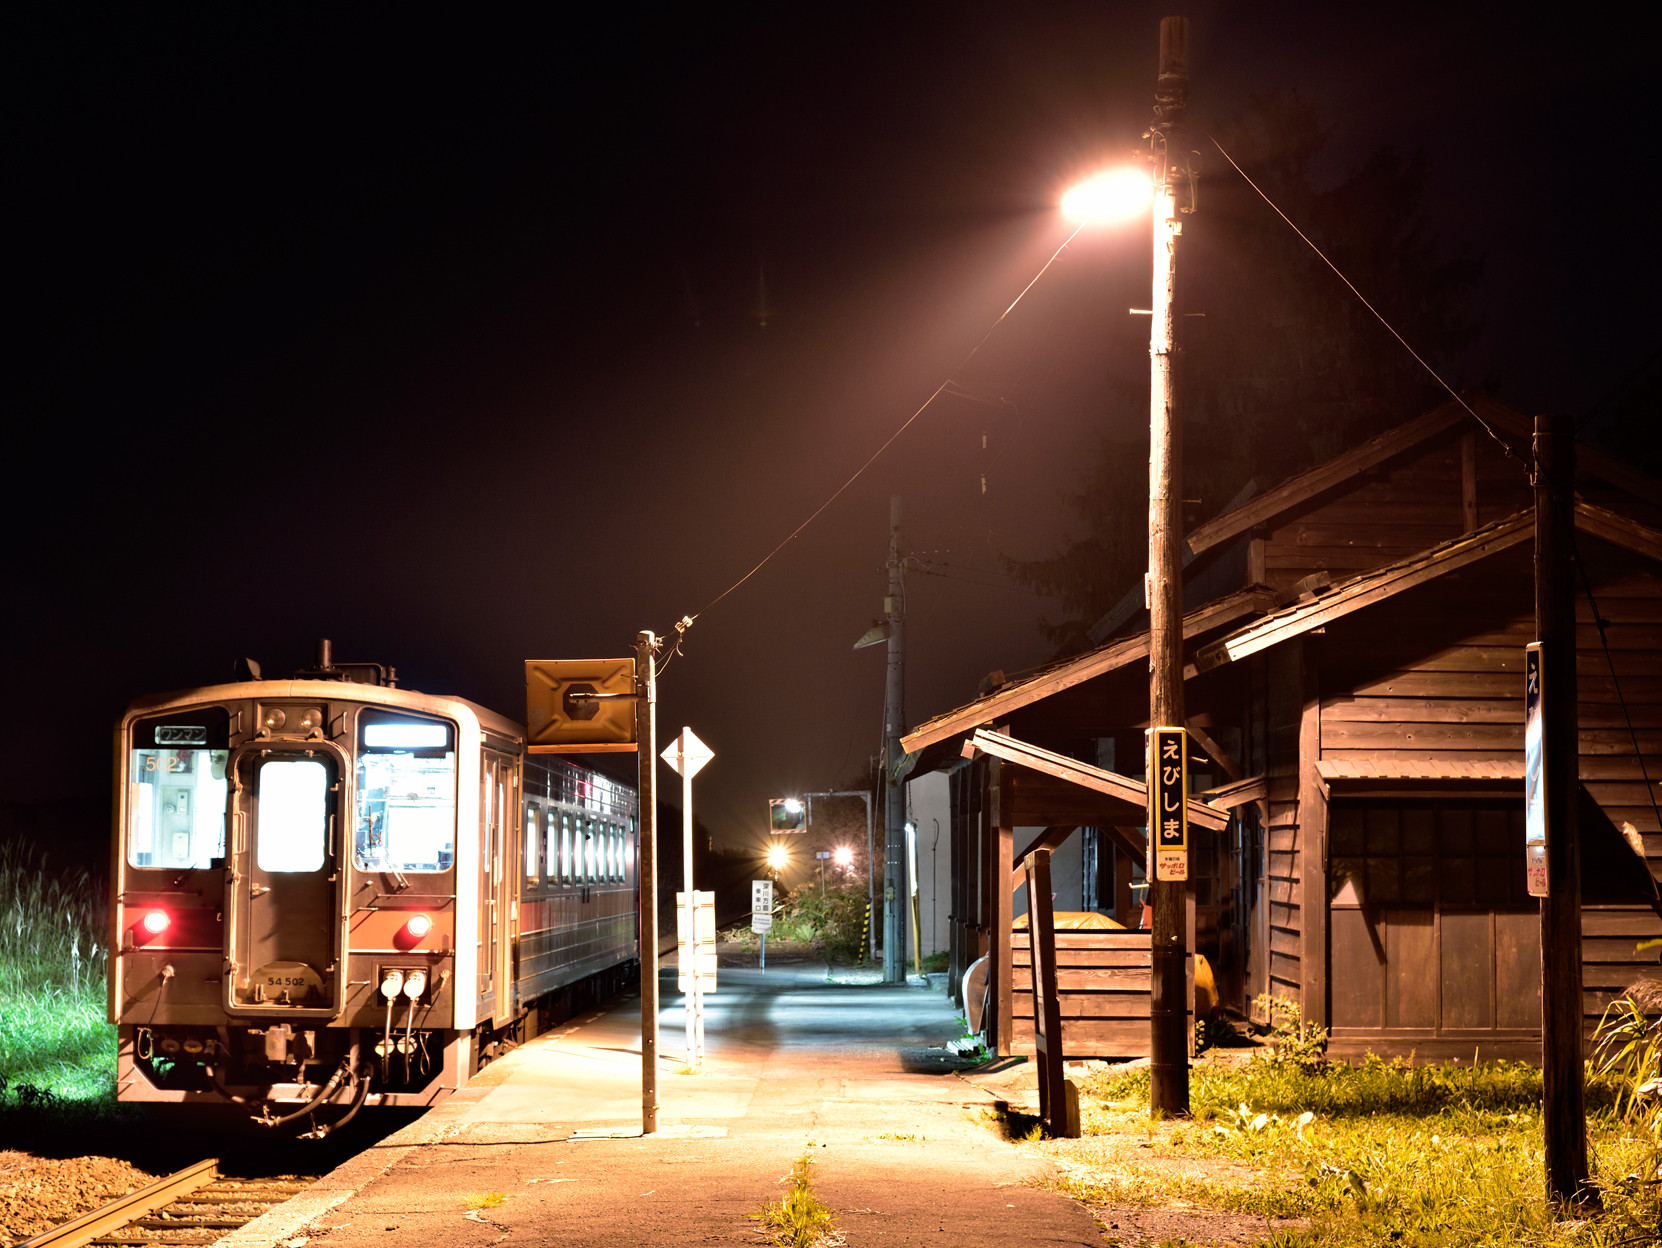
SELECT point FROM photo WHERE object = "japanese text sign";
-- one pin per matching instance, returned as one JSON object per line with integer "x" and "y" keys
{"x": 1168, "y": 815}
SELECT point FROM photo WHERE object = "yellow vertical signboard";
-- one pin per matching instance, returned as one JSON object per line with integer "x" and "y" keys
{"x": 1168, "y": 813}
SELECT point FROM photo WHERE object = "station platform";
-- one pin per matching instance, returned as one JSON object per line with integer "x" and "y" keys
{"x": 545, "y": 1146}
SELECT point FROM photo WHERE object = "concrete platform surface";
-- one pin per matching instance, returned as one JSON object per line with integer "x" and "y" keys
{"x": 545, "y": 1146}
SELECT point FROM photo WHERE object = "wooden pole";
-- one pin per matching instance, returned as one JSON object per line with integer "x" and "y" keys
{"x": 1168, "y": 1007}
{"x": 1563, "y": 1088}
{"x": 646, "y": 743}
{"x": 894, "y": 792}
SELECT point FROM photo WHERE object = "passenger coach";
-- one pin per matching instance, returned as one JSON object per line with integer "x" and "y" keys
{"x": 331, "y": 890}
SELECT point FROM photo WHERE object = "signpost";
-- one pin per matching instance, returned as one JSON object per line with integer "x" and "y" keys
{"x": 761, "y": 914}
{"x": 1168, "y": 811}
{"x": 1535, "y": 777}
{"x": 687, "y": 755}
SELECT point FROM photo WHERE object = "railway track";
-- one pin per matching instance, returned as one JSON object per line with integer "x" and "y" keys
{"x": 196, "y": 1205}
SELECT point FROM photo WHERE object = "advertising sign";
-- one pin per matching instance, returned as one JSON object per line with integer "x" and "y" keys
{"x": 1168, "y": 814}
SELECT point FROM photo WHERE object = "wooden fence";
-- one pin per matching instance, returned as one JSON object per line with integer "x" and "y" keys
{"x": 1102, "y": 983}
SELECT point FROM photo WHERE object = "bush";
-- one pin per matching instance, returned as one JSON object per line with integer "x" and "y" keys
{"x": 834, "y": 921}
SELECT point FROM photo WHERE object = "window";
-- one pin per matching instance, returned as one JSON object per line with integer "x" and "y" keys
{"x": 588, "y": 852}
{"x": 406, "y": 817}
{"x": 565, "y": 848}
{"x": 176, "y": 807}
{"x": 533, "y": 868}
{"x": 293, "y": 814}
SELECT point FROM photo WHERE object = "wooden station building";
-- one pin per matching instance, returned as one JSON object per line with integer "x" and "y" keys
{"x": 1354, "y": 643}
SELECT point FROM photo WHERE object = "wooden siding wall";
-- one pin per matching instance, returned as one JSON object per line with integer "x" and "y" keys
{"x": 1103, "y": 986}
{"x": 1386, "y": 697}
{"x": 1394, "y": 511}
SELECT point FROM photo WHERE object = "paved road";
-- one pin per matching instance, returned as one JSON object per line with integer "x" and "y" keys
{"x": 904, "y": 1151}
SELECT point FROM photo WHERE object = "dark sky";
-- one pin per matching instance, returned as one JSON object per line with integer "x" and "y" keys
{"x": 435, "y": 334}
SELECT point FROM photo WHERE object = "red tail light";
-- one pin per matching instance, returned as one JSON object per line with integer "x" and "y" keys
{"x": 155, "y": 922}
{"x": 419, "y": 925}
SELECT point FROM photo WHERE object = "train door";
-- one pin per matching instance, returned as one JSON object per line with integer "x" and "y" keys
{"x": 284, "y": 929}
{"x": 497, "y": 839}
{"x": 509, "y": 843}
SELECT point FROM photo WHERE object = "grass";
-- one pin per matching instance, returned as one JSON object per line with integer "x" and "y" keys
{"x": 483, "y": 1200}
{"x": 55, "y": 1046}
{"x": 799, "y": 1219}
{"x": 1385, "y": 1153}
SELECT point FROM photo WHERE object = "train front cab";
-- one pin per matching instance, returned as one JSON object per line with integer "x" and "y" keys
{"x": 286, "y": 904}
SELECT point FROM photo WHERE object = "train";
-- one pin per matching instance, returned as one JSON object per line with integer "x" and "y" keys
{"x": 330, "y": 892}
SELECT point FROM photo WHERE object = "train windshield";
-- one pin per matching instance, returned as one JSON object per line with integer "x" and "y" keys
{"x": 406, "y": 795}
{"x": 176, "y": 791}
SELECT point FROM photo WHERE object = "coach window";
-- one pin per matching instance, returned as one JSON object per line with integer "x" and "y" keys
{"x": 565, "y": 848}
{"x": 588, "y": 852}
{"x": 617, "y": 854}
{"x": 533, "y": 868}
{"x": 406, "y": 816}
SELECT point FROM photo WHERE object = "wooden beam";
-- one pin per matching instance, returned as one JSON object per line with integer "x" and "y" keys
{"x": 1341, "y": 468}
{"x": 1049, "y": 840}
{"x": 1618, "y": 530}
{"x": 1218, "y": 754}
{"x": 1366, "y": 590}
{"x": 1202, "y": 619}
{"x": 1003, "y": 906}
{"x": 1238, "y": 793}
{"x": 1083, "y": 774}
{"x": 1130, "y": 842}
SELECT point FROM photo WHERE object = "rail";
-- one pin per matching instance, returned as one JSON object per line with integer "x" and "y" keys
{"x": 194, "y": 1202}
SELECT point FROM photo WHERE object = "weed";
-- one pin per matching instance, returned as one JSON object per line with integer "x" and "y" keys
{"x": 1293, "y": 1042}
{"x": 898, "y": 1135}
{"x": 799, "y": 1219}
{"x": 53, "y": 1037}
{"x": 483, "y": 1200}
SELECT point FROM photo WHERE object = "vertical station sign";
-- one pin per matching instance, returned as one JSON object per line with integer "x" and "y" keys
{"x": 1535, "y": 773}
{"x": 1168, "y": 811}
{"x": 761, "y": 906}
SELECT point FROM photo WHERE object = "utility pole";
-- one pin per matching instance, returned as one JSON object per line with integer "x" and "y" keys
{"x": 1168, "y": 1013}
{"x": 1564, "y": 1093}
{"x": 894, "y": 797}
{"x": 646, "y": 744}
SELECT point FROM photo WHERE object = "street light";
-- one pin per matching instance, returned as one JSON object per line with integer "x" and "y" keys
{"x": 778, "y": 859}
{"x": 843, "y": 856}
{"x": 1172, "y": 191}
{"x": 1114, "y": 196}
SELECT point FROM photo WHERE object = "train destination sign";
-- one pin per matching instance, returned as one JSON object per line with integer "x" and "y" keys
{"x": 580, "y": 706}
{"x": 1168, "y": 811}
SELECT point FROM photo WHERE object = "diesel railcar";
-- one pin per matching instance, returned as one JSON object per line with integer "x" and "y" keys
{"x": 332, "y": 891}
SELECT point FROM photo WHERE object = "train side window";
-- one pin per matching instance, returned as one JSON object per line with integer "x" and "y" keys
{"x": 565, "y": 848}
{"x": 617, "y": 854}
{"x": 533, "y": 868}
{"x": 588, "y": 852}
{"x": 293, "y": 814}
{"x": 406, "y": 795}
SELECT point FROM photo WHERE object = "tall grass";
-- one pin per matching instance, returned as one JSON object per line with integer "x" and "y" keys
{"x": 54, "y": 1042}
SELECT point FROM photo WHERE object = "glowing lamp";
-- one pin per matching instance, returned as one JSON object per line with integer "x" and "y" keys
{"x": 843, "y": 856}
{"x": 419, "y": 925}
{"x": 1116, "y": 195}
{"x": 155, "y": 922}
{"x": 778, "y": 856}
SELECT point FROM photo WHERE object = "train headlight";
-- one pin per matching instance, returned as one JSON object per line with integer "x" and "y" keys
{"x": 419, "y": 925}
{"x": 155, "y": 922}
{"x": 392, "y": 983}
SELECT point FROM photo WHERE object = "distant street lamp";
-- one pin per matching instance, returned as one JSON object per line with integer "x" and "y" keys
{"x": 1111, "y": 197}
{"x": 778, "y": 859}
{"x": 843, "y": 856}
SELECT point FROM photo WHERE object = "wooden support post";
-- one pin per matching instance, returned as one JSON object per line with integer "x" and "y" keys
{"x": 1312, "y": 841}
{"x": 1564, "y": 1096}
{"x": 1002, "y": 880}
{"x": 1047, "y": 1010}
{"x": 646, "y": 743}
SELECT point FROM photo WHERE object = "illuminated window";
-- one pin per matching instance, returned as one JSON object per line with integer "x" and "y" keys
{"x": 533, "y": 868}
{"x": 293, "y": 814}
{"x": 406, "y": 797}
{"x": 176, "y": 807}
{"x": 565, "y": 848}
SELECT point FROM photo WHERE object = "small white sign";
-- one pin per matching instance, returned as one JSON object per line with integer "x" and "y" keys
{"x": 705, "y": 906}
{"x": 761, "y": 922}
{"x": 1171, "y": 865}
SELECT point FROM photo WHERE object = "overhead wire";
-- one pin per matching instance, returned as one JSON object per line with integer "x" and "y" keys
{"x": 1378, "y": 315}
{"x": 687, "y": 621}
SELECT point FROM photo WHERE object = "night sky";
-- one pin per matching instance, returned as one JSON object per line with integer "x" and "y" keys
{"x": 442, "y": 336}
